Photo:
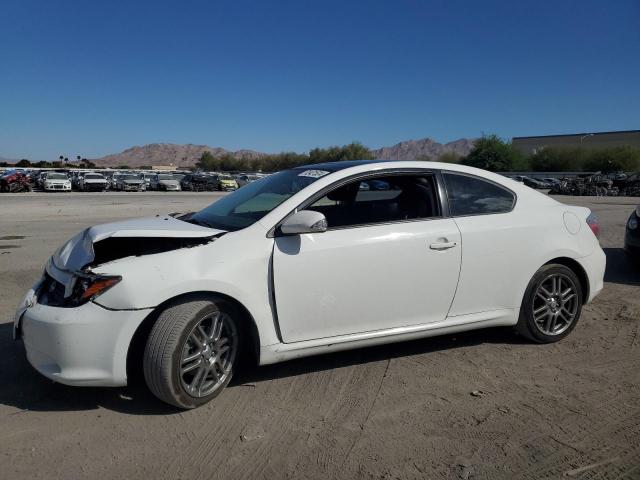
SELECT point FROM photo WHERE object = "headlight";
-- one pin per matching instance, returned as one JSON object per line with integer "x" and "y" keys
{"x": 89, "y": 286}
{"x": 633, "y": 223}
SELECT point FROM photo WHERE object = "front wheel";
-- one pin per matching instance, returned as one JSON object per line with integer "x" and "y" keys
{"x": 551, "y": 305}
{"x": 191, "y": 352}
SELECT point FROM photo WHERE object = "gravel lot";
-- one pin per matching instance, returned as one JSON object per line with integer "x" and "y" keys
{"x": 399, "y": 411}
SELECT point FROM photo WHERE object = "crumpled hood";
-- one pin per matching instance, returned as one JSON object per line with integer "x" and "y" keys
{"x": 79, "y": 251}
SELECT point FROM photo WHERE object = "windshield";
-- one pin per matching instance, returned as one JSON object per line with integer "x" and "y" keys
{"x": 225, "y": 177}
{"x": 93, "y": 176}
{"x": 165, "y": 177}
{"x": 131, "y": 177}
{"x": 57, "y": 176}
{"x": 249, "y": 204}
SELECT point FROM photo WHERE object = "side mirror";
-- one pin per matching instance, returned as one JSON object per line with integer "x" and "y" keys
{"x": 305, "y": 221}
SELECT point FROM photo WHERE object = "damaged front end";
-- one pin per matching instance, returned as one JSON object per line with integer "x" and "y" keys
{"x": 69, "y": 280}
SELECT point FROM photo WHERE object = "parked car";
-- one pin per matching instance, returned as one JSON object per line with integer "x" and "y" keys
{"x": 57, "y": 182}
{"x": 200, "y": 182}
{"x": 535, "y": 183}
{"x": 41, "y": 178}
{"x": 13, "y": 180}
{"x": 378, "y": 185}
{"x": 552, "y": 181}
{"x": 227, "y": 183}
{"x": 130, "y": 183}
{"x": 303, "y": 263}
{"x": 92, "y": 182}
{"x": 164, "y": 181}
{"x": 147, "y": 178}
{"x": 113, "y": 180}
{"x": 244, "y": 179}
{"x": 632, "y": 235}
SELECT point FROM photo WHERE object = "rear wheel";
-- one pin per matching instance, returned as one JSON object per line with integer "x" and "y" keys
{"x": 551, "y": 305}
{"x": 191, "y": 352}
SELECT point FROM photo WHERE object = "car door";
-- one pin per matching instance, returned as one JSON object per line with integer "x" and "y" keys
{"x": 388, "y": 259}
{"x": 499, "y": 245}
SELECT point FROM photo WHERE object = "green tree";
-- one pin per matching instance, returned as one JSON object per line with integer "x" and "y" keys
{"x": 450, "y": 157}
{"x": 494, "y": 154}
{"x": 352, "y": 151}
{"x": 558, "y": 159}
{"x": 207, "y": 162}
{"x": 626, "y": 159}
{"x": 124, "y": 167}
{"x": 23, "y": 163}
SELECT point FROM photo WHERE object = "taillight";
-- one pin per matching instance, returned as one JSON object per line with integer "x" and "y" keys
{"x": 592, "y": 221}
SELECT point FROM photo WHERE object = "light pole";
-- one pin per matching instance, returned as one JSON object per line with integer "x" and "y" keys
{"x": 585, "y": 136}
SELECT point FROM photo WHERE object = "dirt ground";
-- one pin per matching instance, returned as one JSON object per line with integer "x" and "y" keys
{"x": 407, "y": 410}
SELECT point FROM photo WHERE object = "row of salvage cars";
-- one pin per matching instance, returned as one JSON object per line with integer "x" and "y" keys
{"x": 19, "y": 180}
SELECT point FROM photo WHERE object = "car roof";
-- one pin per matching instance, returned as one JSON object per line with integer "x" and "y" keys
{"x": 335, "y": 166}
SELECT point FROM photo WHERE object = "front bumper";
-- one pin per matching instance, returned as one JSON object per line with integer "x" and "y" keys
{"x": 85, "y": 346}
{"x": 57, "y": 187}
{"x": 133, "y": 187}
{"x": 95, "y": 187}
{"x": 169, "y": 188}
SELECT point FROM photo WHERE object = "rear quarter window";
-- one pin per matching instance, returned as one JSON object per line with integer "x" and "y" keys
{"x": 469, "y": 195}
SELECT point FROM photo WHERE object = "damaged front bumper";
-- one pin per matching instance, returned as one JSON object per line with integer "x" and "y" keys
{"x": 85, "y": 346}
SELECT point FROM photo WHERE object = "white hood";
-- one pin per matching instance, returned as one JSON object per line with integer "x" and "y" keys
{"x": 78, "y": 251}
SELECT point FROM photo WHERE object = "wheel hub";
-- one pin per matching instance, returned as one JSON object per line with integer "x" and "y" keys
{"x": 208, "y": 354}
{"x": 555, "y": 304}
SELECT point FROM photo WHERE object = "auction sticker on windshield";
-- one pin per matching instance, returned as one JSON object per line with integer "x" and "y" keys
{"x": 313, "y": 173}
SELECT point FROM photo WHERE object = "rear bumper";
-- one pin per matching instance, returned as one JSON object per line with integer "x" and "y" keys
{"x": 632, "y": 243}
{"x": 84, "y": 346}
{"x": 594, "y": 265}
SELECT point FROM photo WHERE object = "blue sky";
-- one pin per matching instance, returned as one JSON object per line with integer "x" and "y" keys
{"x": 95, "y": 77}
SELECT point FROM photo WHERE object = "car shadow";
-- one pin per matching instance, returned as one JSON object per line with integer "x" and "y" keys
{"x": 620, "y": 268}
{"x": 24, "y": 388}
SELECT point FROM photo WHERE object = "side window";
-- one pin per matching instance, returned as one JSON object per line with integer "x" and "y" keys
{"x": 380, "y": 200}
{"x": 474, "y": 196}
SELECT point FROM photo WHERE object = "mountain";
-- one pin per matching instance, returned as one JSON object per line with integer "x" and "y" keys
{"x": 168, "y": 154}
{"x": 419, "y": 149}
{"x": 188, "y": 155}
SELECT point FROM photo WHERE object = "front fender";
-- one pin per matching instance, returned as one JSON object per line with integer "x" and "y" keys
{"x": 233, "y": 265}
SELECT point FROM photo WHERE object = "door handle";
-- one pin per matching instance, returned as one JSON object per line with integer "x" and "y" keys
{"x": 442, "y": 245}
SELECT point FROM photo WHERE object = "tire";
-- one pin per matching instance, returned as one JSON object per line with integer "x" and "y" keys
{"x": 179, "y": 335}
{"x": 562, "y": 312}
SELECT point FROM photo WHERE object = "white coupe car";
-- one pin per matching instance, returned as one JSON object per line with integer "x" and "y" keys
{"x": 306, "y": 262}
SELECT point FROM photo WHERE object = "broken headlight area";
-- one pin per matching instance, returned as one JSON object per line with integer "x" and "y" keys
{"x": 86, "y": 287}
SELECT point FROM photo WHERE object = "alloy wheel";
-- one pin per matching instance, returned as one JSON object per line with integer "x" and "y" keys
{"x": 555, "y": 304}
{"x": 208, "y": 354}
